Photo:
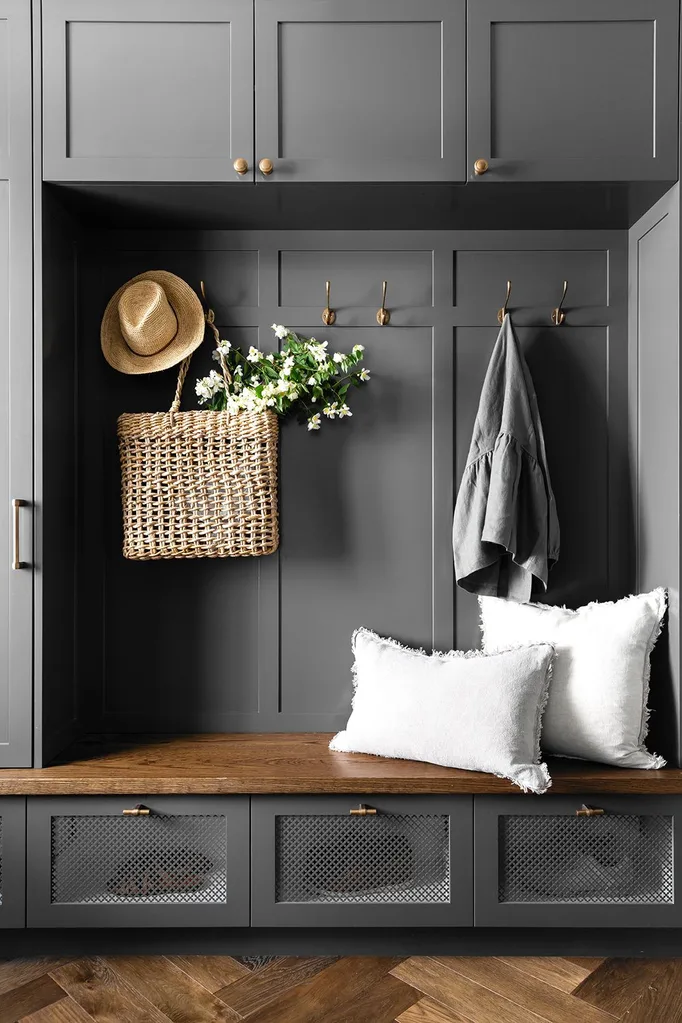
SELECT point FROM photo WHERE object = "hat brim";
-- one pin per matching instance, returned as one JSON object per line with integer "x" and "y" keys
{"x": 191, "y": 327}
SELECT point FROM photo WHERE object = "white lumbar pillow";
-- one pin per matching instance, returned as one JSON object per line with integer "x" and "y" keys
{"x": 469, "y": 710}
{"x": 597, "y": 707}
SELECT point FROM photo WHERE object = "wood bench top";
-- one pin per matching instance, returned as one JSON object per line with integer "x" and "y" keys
{"x": 287, "y": 763}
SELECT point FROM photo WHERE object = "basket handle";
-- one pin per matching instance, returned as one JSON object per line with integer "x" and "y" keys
{"x": 209, "y": 316}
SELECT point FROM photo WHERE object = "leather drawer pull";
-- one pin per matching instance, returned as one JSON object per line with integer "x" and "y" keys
{"x": 588, "y": 811}
{"x": 137, "y": 811}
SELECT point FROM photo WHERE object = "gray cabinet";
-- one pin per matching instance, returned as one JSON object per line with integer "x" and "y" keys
{"x": 582, "y": 91}
{"x": 16, "y": 384}
{"x": 361, "y": 90}
{"x": 404, "y": 861}
{"x": 541, "y": 863}
{"x": 111, "y": 862}
{"x": 12, "y": 861}
{"x": 147, "y": 90}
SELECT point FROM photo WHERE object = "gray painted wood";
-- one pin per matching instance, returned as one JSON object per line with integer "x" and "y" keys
{"x": 159, "y": 90}
{"x": 16, "y": 383}
{"x": 361, "y": 90}
{"x": 655, "y": 448}
{"x": 42, "y": 911}
{"x": 13, "y": 860}
{"x": 582, "y": 91}
{"x": 367, "y": 503}
{"x": 490, "y": 912}
{"x": 267, "y": 911}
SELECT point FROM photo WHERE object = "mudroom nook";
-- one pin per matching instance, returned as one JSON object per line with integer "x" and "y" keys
{"x": 165, "y": 716}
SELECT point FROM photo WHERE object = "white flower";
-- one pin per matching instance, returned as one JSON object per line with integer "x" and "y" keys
{"x": 314, "y": 422}
{"x": 288, "y": 365}
{"x": 254, "y": 355}
{"x": 317, "y": 350}
{"x": 202, "y": 389}
{"x": 311, "y": 381}
{"x": 223, "y": 347}
{"x": 254, "y": 381}
{"x": 358, "y": 348}
{"x": 364, "y": 374}
{"x": 344, "y": 411}
{"x": 280, "y": 331}
{"x": 282, "y": 387}
{"x": 270, "y": 357}
{"x": 206, "y": 387}
{"x": 331, "y": 410}
{"x": 239, "y": 370}
{"x": 270, "y": 402}
{"x": 338, "y": 357}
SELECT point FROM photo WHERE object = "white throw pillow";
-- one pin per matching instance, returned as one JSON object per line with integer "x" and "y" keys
{"x": 597, "y": 707}
{"x": 467, "y": 710}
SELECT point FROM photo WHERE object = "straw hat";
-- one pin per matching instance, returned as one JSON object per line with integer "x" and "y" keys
{"x": 152, "y": 322}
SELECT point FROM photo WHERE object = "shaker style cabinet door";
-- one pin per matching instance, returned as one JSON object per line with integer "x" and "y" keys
{"x": 580, "y": 91}
{"x": 541, "y": 861}
{"x": 108, "y": 861}
{"x": 16, "y": 386}
{"x": 360, "y": 90}
{"x": 148, "y": 90}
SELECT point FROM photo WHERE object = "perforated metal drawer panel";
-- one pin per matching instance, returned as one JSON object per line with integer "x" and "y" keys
{"x": 607, "y": 859}
{"x": 104, "y": 860}
{"x": 343, "y": 859}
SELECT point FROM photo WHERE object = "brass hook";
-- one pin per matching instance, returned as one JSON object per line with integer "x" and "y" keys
{"x": 501, "y": 313}
{"x": 328, "y": 315}
{"x": 558, "y": 315}
{"x": 383, "y": 315}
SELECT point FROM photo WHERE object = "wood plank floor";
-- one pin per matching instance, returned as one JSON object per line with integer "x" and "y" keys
{"x": 362, "y": 989}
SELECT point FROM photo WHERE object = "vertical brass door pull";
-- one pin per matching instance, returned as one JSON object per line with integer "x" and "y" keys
{"x": 16, "y": 546}
{"x": 328, "y": 315}
{"x": 383, "y": 315}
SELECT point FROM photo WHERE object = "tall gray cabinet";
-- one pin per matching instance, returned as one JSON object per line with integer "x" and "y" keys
{"x": 16, "y": 385}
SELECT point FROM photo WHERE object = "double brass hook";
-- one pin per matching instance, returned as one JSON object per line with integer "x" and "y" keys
{"x": 328, "y": 315}
{"x": 558, "y": 314}
{"x": 501, "y": 313}
{"x": 383, "y": 315}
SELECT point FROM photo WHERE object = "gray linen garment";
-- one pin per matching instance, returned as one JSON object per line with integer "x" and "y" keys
{"x": 505, "y": 533}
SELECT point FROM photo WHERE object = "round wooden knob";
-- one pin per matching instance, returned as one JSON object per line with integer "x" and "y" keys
{"x": 240, "y": 165}
{"x": 266, "y": 166}
{"x": 480, "y": 166}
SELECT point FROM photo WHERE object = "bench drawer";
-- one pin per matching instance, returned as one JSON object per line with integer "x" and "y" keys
{"x": 182, "y": 860}
{"x": 541, "y": 863}
{"x": 316, "y": 862}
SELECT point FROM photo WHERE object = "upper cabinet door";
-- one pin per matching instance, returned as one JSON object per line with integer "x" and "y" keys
{"x": 361, "y": 90}
{"x": 16, "y": 386}
{"x": 583, "y": 90}
{"x": 147, "y": 90}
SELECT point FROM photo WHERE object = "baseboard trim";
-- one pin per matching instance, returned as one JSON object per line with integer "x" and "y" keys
{"x": 652, "y": 942}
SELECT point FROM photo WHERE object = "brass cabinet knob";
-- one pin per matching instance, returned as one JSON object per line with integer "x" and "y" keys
{"x": 480, "y": 167}
{"x": 240, "y": 165}
{"x": 266, "y": 166}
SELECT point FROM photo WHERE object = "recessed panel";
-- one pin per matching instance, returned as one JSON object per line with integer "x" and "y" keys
{"x": 4, "y": 98}
{"x": 7, "y": 607}
{"x": 537, "y": 280}
{"x": 148, "y": 89}
{"x": 569, "y": 371}
{"x": 181, "y": 638}
{"x": 571, "y": 89}
{"x": 356, "y": 522}
{"x": 360, "y": 89}
{"x": 355, "y": 278}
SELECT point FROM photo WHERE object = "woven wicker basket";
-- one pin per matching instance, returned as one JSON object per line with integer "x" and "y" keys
{"x": 198, "y": 484}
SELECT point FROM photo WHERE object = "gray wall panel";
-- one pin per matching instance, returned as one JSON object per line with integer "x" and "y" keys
{"x": 655, "y": 424}
{"x": 366, "y": 504}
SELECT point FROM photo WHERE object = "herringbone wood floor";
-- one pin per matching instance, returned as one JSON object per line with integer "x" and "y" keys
{"x": 421, "y": 989}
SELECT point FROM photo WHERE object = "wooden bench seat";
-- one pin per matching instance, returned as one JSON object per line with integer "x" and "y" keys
{"x": 287, "y": 763}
